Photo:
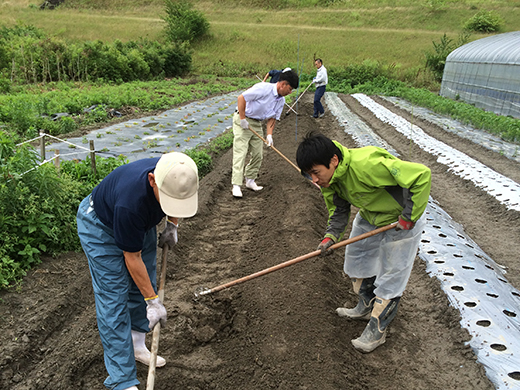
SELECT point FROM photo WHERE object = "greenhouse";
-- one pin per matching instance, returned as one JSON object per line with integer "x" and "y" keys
{"x": 486, "y": 73}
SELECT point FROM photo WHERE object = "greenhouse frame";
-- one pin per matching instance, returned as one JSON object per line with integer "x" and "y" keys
{"x": 486, "y": 73}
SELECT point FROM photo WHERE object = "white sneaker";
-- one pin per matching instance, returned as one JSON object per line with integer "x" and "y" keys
{"x": 237, "y": 192}
{"x": 250, "y": 183}
{"x": 131, "y": 388}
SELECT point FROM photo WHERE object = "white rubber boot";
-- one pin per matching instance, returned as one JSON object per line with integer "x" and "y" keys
{"x": 141, "y": 353}
{"x": 365, "y": 290}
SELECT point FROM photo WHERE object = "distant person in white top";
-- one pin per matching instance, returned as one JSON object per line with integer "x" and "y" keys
{"x": 263, "y": 101}
{"x": 320, "y": 81}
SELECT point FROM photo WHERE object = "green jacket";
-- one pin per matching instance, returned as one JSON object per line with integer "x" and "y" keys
{"x": 379, "y": 184}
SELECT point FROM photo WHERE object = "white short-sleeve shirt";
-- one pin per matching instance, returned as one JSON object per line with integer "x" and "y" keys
{"x": 263, "y": 102}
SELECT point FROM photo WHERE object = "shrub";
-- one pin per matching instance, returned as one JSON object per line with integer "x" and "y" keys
{"x": 436, "y": 60}
{"x": 38, "y": 206}
{"x": 484, "y": 21}
{"x": 37, "y": 210}
{"x": 184, "y": 24}
{"x": 202, "y": 159}
{"x": 350, "y": 76}
{"x": 32, "y": 58}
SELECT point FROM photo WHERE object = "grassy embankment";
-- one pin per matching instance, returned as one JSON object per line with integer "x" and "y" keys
{"x": 255, "y": 38}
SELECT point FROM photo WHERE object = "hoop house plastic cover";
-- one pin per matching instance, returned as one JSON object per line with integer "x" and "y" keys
{"x": 486, "y": 72}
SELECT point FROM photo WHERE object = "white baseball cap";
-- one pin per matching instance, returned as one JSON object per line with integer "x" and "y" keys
{"x": 177, "y": 178}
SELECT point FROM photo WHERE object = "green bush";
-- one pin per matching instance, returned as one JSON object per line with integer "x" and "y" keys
{"x": 202, "y": 159}
{"x": 37, "y": 210}
{"x": 81, "y": 171}
{"x": 436, "y": 59}
{"x": 348, "y": 77}
{"x": 38, "y": 206}
{"x": 485, "y": 22}
{"x": 32, "y": 58}
{"x": 183, "y": 23}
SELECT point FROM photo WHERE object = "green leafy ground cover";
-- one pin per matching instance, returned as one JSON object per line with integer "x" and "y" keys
{"x": 28, "y": 109}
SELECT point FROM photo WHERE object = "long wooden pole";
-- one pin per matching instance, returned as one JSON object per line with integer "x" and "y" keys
{"x": 276, "y": 150}
{"x": 291, "y": 108}
{"x": 157, "y": 328}
{"x": 280, "y": 153}
{"x": 294, "y": 261}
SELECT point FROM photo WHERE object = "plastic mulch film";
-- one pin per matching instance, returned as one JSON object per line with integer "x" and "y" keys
{"x": 505, "y": 190}
{"x": 489, "y": 141}
{"x": 473, "y": 282}
{"x": 174, "y": 130}
{"x": 476, "y": 286}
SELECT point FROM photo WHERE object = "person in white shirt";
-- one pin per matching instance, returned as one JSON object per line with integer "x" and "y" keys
{"x": 320, "y": 81}
{"x": 261, "y": 102}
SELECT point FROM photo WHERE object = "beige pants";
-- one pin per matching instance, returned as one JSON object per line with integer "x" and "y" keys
{"x": 246, "y": 143}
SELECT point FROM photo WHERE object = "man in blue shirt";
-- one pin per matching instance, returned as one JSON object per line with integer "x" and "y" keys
{"x": 275, "y": 75}
{"x": 263, "y": 101}
{"x": 321, "y": 80}
{"x": 117, "y": 230}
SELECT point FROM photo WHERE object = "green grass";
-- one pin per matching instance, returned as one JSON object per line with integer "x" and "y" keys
{"x": 265, "y": 36}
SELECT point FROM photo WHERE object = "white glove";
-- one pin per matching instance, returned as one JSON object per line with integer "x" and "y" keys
{"x": 244, "y": 124}
{"x": 314, "y": 80}
{"x": 155, "y": 312}
{"x": 269, "y": 140}
{"x": 168, "y": 235}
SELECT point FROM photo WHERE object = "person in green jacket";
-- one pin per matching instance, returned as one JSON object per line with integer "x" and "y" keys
{"x": 386, "y": 190}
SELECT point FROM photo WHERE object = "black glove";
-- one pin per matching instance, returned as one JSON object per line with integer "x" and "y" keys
{"x": 325, "y": 246}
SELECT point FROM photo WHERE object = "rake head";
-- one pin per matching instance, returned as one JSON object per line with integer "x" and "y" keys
{"x": 200, "y": 291}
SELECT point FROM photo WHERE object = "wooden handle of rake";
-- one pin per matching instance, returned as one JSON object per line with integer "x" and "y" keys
{"x": 291, "y": 108}
{"x": 280, "y": 153}
{"x": 297, "y": 260}
{"x": 276, "y": 150}
{"x": 157, "y": 328}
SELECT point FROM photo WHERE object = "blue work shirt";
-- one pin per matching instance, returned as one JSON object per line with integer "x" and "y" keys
{"x": 275, "y": 75}
{"x": 125, "y": 202}
{"x": 263, "y": 102}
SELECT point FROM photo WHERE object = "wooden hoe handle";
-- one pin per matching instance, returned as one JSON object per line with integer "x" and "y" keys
{"x": 157, "y": 328}
{"x": 280, "y": 153}
{"x": 297, "y": 260}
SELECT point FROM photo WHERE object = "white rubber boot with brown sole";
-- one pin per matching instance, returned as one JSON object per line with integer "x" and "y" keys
{"x": 374, "y": 334}
{"x": 365, "y": 290}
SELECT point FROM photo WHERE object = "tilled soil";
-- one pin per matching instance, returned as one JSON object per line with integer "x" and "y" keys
{"x": 279, "y": 331}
